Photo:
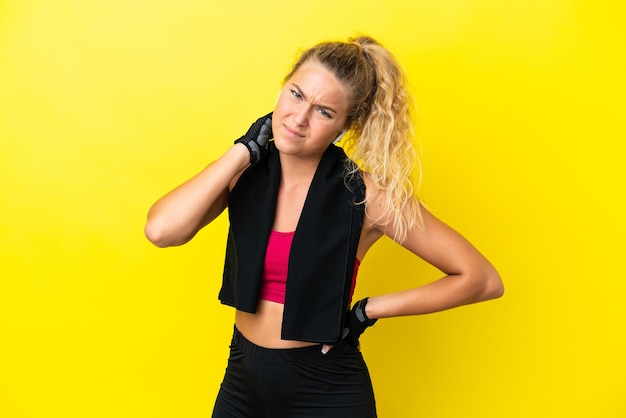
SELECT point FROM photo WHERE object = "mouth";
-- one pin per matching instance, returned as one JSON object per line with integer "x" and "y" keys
{"x": 292, "y": 133}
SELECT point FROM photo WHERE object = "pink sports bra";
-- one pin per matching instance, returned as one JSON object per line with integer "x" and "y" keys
{"x": 274, "y": 281}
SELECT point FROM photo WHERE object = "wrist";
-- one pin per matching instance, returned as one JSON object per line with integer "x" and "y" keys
{"x": 362, "y": 313}
{"x": 370, "y": 309}
{"x": 241, "y": 152}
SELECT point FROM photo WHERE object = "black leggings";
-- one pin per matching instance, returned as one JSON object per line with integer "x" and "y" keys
{"x": 294, "y": 383}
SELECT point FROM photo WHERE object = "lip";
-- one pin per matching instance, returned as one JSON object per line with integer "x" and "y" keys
{"x": 292, "y": 133}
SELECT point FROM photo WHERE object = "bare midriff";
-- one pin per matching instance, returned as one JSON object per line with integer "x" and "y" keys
{"x": 263, "y": 327}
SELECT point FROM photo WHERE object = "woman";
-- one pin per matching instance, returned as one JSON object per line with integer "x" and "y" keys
{"x": 302, "y": 216}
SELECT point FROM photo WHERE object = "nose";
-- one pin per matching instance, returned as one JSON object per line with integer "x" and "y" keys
{"x": 301, "y": 115}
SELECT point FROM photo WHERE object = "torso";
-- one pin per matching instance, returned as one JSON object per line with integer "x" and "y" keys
{"x": 263, "y": 328}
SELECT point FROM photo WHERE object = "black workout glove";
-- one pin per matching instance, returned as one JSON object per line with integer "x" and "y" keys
{"x": 257, "y": 138}
{"x": 356, "y": 323}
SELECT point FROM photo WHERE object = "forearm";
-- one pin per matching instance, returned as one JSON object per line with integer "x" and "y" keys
{"x": 179, "y": 215}
{"x": 446, "y": 293}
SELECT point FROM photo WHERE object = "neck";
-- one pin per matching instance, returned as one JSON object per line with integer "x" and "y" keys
{"x": 297, "y": 169}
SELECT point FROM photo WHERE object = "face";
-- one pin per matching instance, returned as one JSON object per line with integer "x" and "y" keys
{"x": 310, "y": 112}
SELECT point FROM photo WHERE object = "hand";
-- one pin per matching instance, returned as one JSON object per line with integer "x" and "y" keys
{"x": 257, "y": 138}
{"x": 356, "y": 323}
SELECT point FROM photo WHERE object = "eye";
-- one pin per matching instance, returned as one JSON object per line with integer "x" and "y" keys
{"x": 296, "y": 94}
{"x": 324, "y": 113}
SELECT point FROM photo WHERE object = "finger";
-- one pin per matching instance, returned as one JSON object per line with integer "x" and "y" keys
{"x": 265, "y": 133}
{"x": 326, "y": 348}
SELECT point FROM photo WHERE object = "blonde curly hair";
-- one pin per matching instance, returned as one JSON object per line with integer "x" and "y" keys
{"x": 380, "y": 120}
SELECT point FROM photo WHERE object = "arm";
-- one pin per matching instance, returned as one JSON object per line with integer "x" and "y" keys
{"x": 179, "y": 215}
{"x": 469, "y": 276}
{"x": 176, "y": 217}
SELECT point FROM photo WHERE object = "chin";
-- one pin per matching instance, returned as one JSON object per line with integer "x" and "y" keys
{"x": 280, "y": 144}
{"x": 287, "y": 147}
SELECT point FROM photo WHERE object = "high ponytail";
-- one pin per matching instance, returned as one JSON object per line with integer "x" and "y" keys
{"x": 380, "y": 117}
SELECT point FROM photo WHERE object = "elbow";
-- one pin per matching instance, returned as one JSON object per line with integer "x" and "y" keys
{"x": 155, "y": 234}
{"x": 164, "y": 233}
{"x": 483, "y": 285}
{"x": 161, "y": 236}
{"x": 493, "y": 287}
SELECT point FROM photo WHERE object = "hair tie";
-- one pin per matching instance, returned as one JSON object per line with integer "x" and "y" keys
{"x": 358, "y": 45}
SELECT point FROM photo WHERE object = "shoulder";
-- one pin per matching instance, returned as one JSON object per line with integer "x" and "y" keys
{"x": 373, "y": 225}
{"x": 393, "y": 215}
{"x": 375, "y": 199}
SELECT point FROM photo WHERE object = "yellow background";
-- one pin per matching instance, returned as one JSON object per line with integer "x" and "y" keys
{"x": 107, "y": 104}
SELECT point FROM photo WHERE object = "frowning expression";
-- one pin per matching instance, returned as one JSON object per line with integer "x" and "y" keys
{"x": 310, "y": 112}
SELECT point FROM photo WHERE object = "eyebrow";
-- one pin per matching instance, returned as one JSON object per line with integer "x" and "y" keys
{"x": 318, "y": 105}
